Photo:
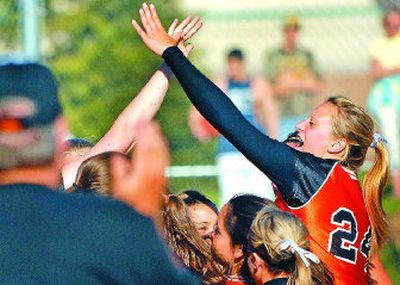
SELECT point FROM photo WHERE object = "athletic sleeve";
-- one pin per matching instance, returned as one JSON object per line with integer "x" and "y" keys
{"x": 273, "y": 158}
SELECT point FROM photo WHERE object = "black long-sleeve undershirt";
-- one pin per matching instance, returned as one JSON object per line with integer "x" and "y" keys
{"x": 272, "y": 157}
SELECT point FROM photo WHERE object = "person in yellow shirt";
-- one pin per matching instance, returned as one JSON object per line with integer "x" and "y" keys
{"x": 384, "y": 96}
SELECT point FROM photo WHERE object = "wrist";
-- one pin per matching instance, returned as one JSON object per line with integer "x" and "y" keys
{"x": 166, "y": 70}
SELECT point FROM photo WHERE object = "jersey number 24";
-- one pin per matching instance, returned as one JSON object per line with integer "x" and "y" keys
{"x": 342, "y": 240}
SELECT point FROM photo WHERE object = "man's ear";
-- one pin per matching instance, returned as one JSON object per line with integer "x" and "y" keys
{"x": 337, "y": 146}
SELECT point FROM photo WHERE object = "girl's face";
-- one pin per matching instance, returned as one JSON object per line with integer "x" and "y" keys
{"x": 315, "y": 132}
{"x": 204, "y": 219}
{"x": 221, "y": 240}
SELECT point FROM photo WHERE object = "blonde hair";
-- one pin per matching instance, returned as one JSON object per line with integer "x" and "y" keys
{"x": 268, "y": 230}
{"x": 352, "y": 123}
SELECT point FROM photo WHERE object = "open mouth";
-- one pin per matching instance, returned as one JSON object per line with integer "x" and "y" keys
{"x": 294, "y": 139}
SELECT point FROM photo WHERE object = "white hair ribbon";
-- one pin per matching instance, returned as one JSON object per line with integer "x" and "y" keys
{"x": 377, "y": 138}
{"x": 288, "y": 244}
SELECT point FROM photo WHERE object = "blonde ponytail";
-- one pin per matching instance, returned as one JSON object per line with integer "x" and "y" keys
{"x": 357, "y": 127}
{"x": 373, "y": 187}
{"x": 280, "y": 239}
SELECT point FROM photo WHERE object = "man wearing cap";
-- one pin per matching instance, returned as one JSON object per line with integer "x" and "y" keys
{"x": 294, "y": 77}
{"x": 48, "y": 237}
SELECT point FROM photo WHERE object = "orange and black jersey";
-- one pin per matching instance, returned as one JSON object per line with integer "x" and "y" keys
{"x": 321, "y": 192}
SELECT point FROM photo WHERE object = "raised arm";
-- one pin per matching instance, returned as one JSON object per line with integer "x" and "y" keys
{"x": 141, "y": 109}
{"x": 272, "y": 157}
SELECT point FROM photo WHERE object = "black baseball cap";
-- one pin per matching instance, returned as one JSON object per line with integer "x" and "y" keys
{"x": 29, "y": 106}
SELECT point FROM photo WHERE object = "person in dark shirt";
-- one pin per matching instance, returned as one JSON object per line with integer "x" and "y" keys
{"x": 316, "y": 180}
{"x": 49, "y": 237}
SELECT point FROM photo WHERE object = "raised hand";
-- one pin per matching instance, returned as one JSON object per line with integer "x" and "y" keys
{"x": 186, "y": 29}
{"x": 141, "y": 182}
{"x": 154, "y": 35}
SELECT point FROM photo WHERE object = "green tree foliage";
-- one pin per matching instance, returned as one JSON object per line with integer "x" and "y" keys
{"x": 9, "y": 36}
{"x": 99, "y": 60}
{"x": 102, "y": 64}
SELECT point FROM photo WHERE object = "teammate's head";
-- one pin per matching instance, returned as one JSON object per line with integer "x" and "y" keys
{"x": 277, "y": 242}
{"x": 185, "y": 242}
{"x": 202, "y": 212}
{"x": 232, "y": 228}
{"x": 94, "y": 174}
{"x": 341, "y": 130}
{"x": 236, "y": 65}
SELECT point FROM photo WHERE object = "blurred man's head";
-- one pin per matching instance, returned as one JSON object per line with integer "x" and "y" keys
{"x": 291, "y": 28}
{"x": 391, "y": 23}
{"x": 30, "y": 127}
{"x": 236, "y": 64}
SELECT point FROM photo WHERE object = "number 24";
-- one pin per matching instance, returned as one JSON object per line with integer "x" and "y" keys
{"x": 342, "y": 239}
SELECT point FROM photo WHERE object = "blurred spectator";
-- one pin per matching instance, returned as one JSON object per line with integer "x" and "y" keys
{"x": 252, "y": 96}
{"x": 294, "y": 76}
{"x": 56, "y": 238}
{"x": 384, "y": 97}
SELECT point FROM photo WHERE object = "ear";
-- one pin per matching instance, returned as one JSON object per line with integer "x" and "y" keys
{"x": 337, "y": 146}
{"x": 237, "y": 252}
{"x": 254, "y": 262}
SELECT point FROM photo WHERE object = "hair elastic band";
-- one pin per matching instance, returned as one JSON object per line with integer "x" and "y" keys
{"x": 377, "y": 138}
{"x": 288, "y": 244}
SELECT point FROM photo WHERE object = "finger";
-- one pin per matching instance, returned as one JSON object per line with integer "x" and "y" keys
{"x": 144, "y": 20}
{"x": 138, "y": 29}
{"x": 154, "y": 15}
{"x": 189, "y": 48}
{"x": 119, "y": 170}
{"x": 172, "y": 27}
{"x": 191, "y": 24}
{"x": 151, "y": 151}
{"x": 188, "y": 34}
{"x": 184, "y": 24}
{"x": 148, "y": 16}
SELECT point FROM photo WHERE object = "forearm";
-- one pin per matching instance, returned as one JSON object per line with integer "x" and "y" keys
{"x": 216, "y": 107}
{"x": 271, "y": 118}
{"x": 381, "y": 73}
{"x": 141, "y": 109}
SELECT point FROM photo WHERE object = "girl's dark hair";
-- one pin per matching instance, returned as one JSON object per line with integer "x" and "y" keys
{"x": 242, "y": 209}
{"x": 193, "y": 197}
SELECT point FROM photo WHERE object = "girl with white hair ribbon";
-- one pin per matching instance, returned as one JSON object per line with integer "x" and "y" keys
{"x": 277, "y": 251}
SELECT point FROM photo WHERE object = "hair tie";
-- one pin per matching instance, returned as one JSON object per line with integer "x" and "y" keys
{"x": 377, "y": 138}
{"x": 288, "y": 244}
